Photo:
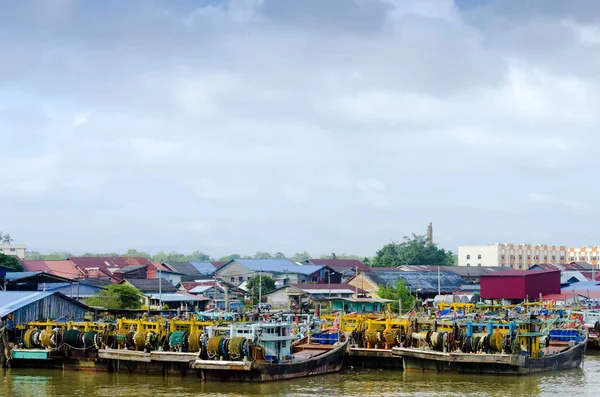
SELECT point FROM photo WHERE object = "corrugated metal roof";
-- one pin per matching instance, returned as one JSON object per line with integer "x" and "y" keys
{"x": 11, "y": 276}
{"x": 218, "y": 264}
{"x": 200, "y": 289}
{"x": 518, "y": 273}
{"x": 65, "y": 269}
{"x": 11, "y": 301}
{"x": 130, "y": 268}
{"x": 183, "y": 268}
{"x": 152, "y": 285}
{"x": 426, "y": 281}
{"x": 277, "y": 266}
{"x": 14, "y": 300}
{"x": 341, "y": 263}
{"x": 206, "y": 268}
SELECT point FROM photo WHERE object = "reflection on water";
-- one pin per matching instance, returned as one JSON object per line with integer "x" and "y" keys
{"x": 350, "y": 383}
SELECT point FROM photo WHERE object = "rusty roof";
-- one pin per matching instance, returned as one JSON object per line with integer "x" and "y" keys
{"x": 66, "y": 269}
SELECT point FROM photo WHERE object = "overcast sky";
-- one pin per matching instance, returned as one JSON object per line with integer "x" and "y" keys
{"x": 292, "y": 125}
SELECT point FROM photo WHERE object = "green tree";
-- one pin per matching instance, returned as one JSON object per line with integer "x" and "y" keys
{"x": 262, "y": 255}
{"x": 7, "y": 239}
{"x": 415, "y": 250}
{"x": 333, "y": 255}
{"x": 397, "y": 291}
{"x": 116, "y": 296}
{"x": 11, "y": 263}
{"x": 267, "y": 282}
{"x": 300, "y": 257}
{"x": 279, "y": 255}
{"x": 34, "y": 255}
{"x": 229, "y": 257}
{"x": 133, "y": 253}
{"x": 197, "y": 256}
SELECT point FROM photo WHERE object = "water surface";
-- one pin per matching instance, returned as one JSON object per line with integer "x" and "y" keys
{"x": 350, "y": 383}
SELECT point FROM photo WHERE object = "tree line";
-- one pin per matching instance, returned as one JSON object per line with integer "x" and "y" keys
{"x": 413, "y": 250}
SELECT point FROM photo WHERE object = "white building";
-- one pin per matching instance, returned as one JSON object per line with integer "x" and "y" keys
{"x": 479, "y": 255}
{"x": 13, "y": 250}
{"x": 517, "y": 256}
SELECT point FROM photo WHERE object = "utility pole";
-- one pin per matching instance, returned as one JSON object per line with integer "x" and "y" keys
{"x": 259, "y": 288}
{"x": 439, "y": 282}
{"x": 356, "y": 286}
{"x": 329, "y": 287}
{"x": 159, "y": 290}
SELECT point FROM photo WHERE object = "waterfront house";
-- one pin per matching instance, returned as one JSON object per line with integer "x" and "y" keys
{"x": 284, "y": 271}
{"x": 286, "y": 296}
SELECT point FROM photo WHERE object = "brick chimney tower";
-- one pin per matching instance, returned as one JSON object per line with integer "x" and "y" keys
{"x": 430, "y": 233}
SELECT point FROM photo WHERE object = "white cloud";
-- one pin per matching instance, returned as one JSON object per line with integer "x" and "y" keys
{"x": 217, "y": 119}
{"x": 81, "y": 119}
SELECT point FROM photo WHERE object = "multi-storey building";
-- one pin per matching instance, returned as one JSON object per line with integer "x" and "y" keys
{"x": 518, "y": 256}
{"x": 589, "y": 254}
{"x": 17, "y": 250}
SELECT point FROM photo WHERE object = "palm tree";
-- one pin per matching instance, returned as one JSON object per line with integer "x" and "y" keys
{"x": 7, "y": 239}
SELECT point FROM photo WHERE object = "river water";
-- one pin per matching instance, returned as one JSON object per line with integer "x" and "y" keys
{"x": 349, "y": 382}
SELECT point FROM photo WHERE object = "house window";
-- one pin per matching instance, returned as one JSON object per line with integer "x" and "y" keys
{"x": 528, "y": 257}
{"x": 241, "y": 278}
{"x": 478, "y": 256}
{"x": 479, "y": 264}
{"x": 520, "y": 257}
{"x": 468, "y": 264}
{"x": 503, "y": 256}
{"x": 553, "y": 257}
{"x": 545, "y": 257}
{"x": 12, "y": 250}
{"x": 233, "y": 279}
{"x": 562, "y": 258}
{"x": 468, "y": 256}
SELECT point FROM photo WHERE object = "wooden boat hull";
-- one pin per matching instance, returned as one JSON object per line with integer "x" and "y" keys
{"x": 491, "y": 364}
{"x": 265, "y": 372}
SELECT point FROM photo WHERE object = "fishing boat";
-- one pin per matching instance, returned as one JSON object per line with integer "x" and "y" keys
{"x": 503, "y": 348}
{"x": 267, "y": 352}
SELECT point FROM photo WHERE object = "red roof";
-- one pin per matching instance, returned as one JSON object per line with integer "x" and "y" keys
{"x": 106, "y": 264}
{"x": 159, "y": 266}
{"x": 341, "y": 263}
{"x": 66, "y": 269}
{"x": 550, "y": 297}
{"x": 517, "y": 273}
{"x": 218, "y": 265}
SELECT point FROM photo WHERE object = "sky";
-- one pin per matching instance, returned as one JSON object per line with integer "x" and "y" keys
{"x": 298, "y": 125}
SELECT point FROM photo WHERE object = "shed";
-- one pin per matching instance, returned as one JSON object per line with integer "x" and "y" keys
{"x": 519, "y": 284}
{"x": 38, "y": 306}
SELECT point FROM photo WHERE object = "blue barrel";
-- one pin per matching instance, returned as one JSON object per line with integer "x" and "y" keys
{"x": 316, "y": 338}
{"x": 333, "y": 338}
{"x": 325, "y": 339}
